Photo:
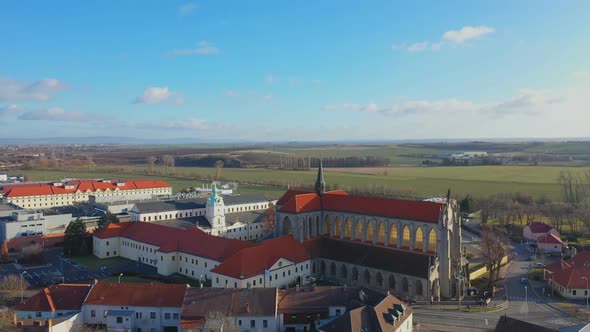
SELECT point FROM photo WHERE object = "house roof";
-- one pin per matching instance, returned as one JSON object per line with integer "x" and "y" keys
{"x": 68, "y": 187}
{"x": 199, "y": 302}
{"x": 139, "y": 295}
{"x": 169, "y": 239}
{"x": 539, "y": 227}
{"x": 378, "y": 318}
{"x": 549, "y": 238}
{"x": 557, "y": 266}
{"x": 509, "y": 324}
{"x": 384, "y": 258}
{"x": 318, "y": 298}
{"x": 252, "y": 261}
{"x": 196, "y": 203}
{"x": 573, "y": 278}
{"x": 56, "y": 297}
{"x": 301, "y": 202}
{"x": 581, "y": 259}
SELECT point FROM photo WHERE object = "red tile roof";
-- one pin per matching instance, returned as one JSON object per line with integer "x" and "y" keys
{"x": 539, "y": 227}
{"x": 557, "y": 266}
{"x": 56, "y": 297}
{"x": 549, "y": 238}
{"x": 253, "y": 261}
{"x": 140, "y": 295}
{"x": 191, "y": 241}
{"x": 572, "y": 278}
{"x": 426, "y": 211}
{"x": 40, "y": 189}
{"x": 581, "y": 259}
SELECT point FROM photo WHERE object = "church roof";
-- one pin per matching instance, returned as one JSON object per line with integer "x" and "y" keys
{"x": 301, "y": 202}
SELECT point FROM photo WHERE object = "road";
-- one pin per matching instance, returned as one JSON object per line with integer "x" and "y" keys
{"x": 527, "y": 303}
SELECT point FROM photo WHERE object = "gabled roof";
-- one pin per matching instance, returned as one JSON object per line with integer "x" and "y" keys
{"x": 509, "y": 324}
{"x": 56, "y": 298}
{"x": 557, "y": 266}
{"x": 231, "y": 302}
{"x": 298, "y": 202}
{"x": 69, "y": 187}
{"x": 539, "y": 227}
{"x": 572, "y": 278}
{"x": 371, "y": 256}
{"x": 549, "y": 238}
{"x": 139, "y": 295}
{"x": 581, "y": 259}
{"x": 253, "y": 261}
{"x": 169, "y": 239}
{"x": 319, "y": 298}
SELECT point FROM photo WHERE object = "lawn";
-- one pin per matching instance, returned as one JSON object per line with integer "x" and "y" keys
{"x": 94, "y": 263}
{"x": 415, "y": 181}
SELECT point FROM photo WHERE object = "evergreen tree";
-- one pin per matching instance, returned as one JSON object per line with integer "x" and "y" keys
{"x": 106, "y": 219}
{"x": 74, "y": 237}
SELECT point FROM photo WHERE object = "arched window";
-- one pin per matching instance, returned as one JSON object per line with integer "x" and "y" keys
{"x": 355, "y": 274}
{"x": 327, "y": 226}
{"x": 419, "y": 238}
{"x": 370, "y": 235}
{"x": 432, "y": 239}
{"x": 318, "y": 230}
{"x": 406, "y": 237}
{"x": 337, "y": 227}
{"x": 333, "y": 269}
{"x": 391, "y": 281}
{"x": 393, "y": 235}
{"x": 348, "y": 228}
{"x": 358, "y": 232}
{"x": 287, "y": 228}
{"x": 322, "y": 268}
{"x": 367, "y": 277}
{"x": 379, "y": 279}
{"x": 419, "y": 290}
{"x": 343, "y": 272}
{"x": 381, "y": 233}
{"x": 405, "y": 285}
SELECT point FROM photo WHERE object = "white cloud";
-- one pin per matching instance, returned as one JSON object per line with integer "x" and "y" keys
{"x": 203, "y": 48}
{"x": 351, "y": 106}
{"x": 582, "y": 74}
{"x": 266, "y": 98}
{"x": 329, "y": 107}
{"x": 466, "y": 33}
{"x": 59, "y": 114}
{"x": 11, "y": 109}
{"x": 187, "y": 8}
{"x": 418, "y": 47}
{"x": 371, "y": 107}
{"x": 154, "y": 95}
{"x": 41, "y": 90}
{"x": 451, "y": 37}
{"x": 192, "y": 124}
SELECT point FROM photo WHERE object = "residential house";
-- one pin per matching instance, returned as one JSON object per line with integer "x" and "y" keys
{"x": 533, "y": 230}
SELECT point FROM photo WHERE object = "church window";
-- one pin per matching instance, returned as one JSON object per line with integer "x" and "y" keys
{"x": 381, "y": 233}
{"x": 432, "y": 239}
{"x": 406, "y": 237}
{"x": 348, "y": 228}
{"x": 370, "y": 235}
{"x": 419, "y": 238}
{"x": 359, "y": 230}
{"x": 337, "y": 227}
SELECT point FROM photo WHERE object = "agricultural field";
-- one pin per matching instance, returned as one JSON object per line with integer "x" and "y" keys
{"x": 413, "y": 181}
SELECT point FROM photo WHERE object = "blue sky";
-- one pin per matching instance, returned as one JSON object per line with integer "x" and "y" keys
{"x": 285, "y": 70}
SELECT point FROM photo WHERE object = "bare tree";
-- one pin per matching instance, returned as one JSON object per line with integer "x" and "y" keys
{"x": 226, "y": 323}
{"x": 493, "y": 246}
{"x": 151, "y": 160}
{"x": 268, "y": 221}
{"x": 10, "y": 287}
{"x": 218, "y": 167}
{"x": 168, "y": 161}
{"x": 6, "y": 323}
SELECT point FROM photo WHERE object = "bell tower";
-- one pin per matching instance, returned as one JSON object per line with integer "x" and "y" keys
{"x": 215, "y": 210}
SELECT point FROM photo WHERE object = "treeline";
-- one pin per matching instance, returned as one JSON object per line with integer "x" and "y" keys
{"x": 208, "y": 161}
{"x": 306, "y": 163}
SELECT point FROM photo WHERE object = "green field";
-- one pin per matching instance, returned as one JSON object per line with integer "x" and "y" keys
{"x": 419, "y": 181}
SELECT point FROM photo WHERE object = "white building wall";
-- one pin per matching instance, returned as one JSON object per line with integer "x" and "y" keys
{"x": 278, "y": 277}
{"x": 256, "y": 323}
{"x": 142, "y": 316}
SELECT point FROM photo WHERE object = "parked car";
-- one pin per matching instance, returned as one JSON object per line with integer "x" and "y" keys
{"x": 540, "y": 265}
{"x": 472, "y": 291}
{"x": 523, "y": 280}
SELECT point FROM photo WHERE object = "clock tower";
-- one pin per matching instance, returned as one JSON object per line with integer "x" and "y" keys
{"x": 215, "y": 210}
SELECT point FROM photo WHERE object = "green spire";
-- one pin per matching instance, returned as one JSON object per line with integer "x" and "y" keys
{"x": 320, "y": 185}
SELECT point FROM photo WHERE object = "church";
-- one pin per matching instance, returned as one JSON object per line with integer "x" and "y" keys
{"x": 411, "y": 248}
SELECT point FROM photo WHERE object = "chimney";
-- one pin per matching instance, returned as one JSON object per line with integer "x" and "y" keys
{"x": 95, "y": 281}
{"x": 388, "y": 293}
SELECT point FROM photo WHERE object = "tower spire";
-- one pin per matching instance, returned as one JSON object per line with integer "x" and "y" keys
{"x": 320, "y": 185}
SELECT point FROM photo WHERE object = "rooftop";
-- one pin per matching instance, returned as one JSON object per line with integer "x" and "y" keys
{"x": 539, "y": 227}
{"x": 56, "y": 297}
{"x": 138, "y": 295}
{"x": 195, "y": 203}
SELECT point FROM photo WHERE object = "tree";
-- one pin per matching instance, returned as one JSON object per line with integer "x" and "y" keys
{"x": 6, "y": 323}
{"x": 151, "y": 160}
{"x": 467, "y": 204}
{"x": 493, "y": 246}
{"x": 268, "y": 220}
{"x": 106, "y": 219}
{"x": 5, "y": 256}
{"x": 74, "y": 236}
{"x": 217, "y": 318}
{"x": 10, "y": 288}
{"x": 168, "y": 161}
{"x": 218, "y": 167}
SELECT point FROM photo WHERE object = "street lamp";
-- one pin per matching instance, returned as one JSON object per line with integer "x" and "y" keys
{"x": 22, "y": 287}
{"x": 586, "y": 294}
{"x": 526, "y": 300}
{"x": 120, "y": 275}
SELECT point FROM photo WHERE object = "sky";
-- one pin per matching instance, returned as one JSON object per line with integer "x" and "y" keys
{"x": 295, "y": 70}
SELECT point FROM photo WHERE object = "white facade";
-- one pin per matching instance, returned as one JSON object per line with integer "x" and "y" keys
{"x": 175, "y": 214}
{"x": 145, "y": 318}
{"x": 550, "y": 247}
{"x": 36, "y": 223}
{"x": 256, "y": 323}
{"x": 281, "y": 274}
